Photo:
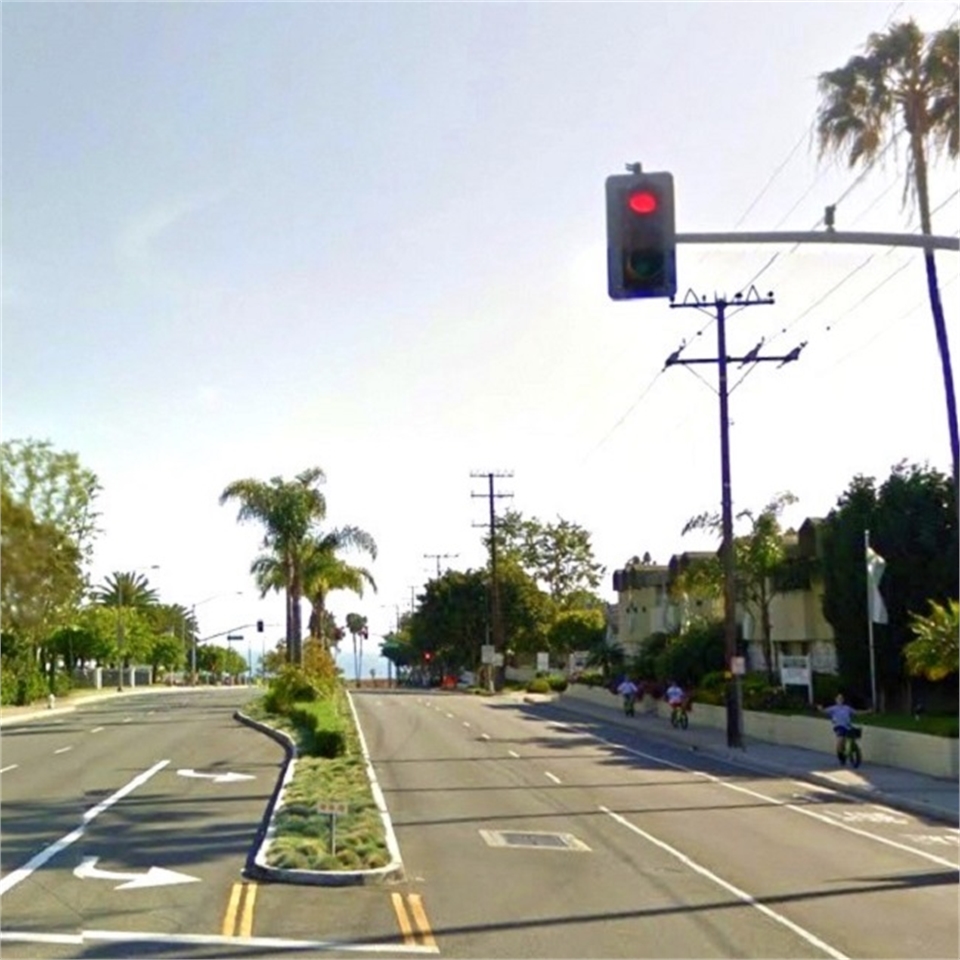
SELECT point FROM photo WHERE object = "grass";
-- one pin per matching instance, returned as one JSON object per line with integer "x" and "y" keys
{"x": 302, "y": 835}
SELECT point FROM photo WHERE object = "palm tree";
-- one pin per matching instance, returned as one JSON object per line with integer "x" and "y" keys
{"x": 357, "y": 625}
{"x": 325, "y": 571}
{"x": 906, "y": 81}
{"x": 121, "y": 589}
{"x": 288, "y": 510}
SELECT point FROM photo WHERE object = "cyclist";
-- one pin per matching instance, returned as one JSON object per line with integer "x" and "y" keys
{"x": 841, "y": 715}
{"x": 676, "y": 698}
{"x": 628, "y": 690}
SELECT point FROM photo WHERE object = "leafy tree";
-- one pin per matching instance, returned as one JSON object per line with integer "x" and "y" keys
{"x": 288, "y": 511}
{"x": 42, "y": 577}
{"x": 357, "y": 625}
{"x": 758, "y": 556}
{"x": 912, "y": 519}
{"x": 121, "y": 589}
{"x": 56, "y": 489}
{"x": 573, "y": 630}
{"x": 935, "y": 653}
{"x": 558, "y": 556}
{"x": 450, "y": 621}
{"x": 905, "y": 82}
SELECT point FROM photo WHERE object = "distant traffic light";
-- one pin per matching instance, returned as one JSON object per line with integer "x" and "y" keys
{"x": 259, "y": 626}
{"x": 427, "y": 656}
{"x": 641, "y": 236}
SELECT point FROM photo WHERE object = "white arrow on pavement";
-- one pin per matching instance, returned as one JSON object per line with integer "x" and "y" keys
{"x": 154, "y": 877}
{"x": 217, "y": 777}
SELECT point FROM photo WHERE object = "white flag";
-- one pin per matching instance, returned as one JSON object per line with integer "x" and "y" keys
{"x": 875, "y": 567}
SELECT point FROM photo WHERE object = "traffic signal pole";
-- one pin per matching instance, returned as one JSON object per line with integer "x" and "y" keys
{"x": 734, "y": 663}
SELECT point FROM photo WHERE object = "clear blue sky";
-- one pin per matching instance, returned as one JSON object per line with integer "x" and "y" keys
{"x": 244, "y": 239}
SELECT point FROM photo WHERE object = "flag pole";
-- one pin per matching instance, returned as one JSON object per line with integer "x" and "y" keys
{"x": 873, "y": 668}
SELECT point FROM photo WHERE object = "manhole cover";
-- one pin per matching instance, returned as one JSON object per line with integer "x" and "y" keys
{"x": 537, "y": 840}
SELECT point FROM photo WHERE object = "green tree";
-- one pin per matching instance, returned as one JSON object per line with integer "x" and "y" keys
{"x": 935, "y": 651}
{"x": 580, "y": 629}
{"x": 450, "y": 621}
{"x": 557, "y": 556}
{"x": 42, "y": 578}
{"x": 759, "y": 555}
{"x": 905, "y": 82}
{"x": 325, "y": 571}
{"x": 288, "y": 512}
{"x": 912, "y": 519}
{"x": 357, "y": 626}
{"x": 55, "y": 487}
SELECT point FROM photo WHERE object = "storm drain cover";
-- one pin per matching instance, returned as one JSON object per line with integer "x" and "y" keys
{"x": 537, "y": 840}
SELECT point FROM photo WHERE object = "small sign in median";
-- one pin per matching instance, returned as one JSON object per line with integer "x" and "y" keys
{"x": 332, "y": 809}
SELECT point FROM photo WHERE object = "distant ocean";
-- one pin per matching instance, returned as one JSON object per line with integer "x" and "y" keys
{"x": 368, "y": 661}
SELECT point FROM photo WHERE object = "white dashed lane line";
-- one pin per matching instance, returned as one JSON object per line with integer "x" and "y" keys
{"x": 484, "y": 736}
{"x": 466, "y": 723}
{"x": 63, "y": 750}
{"x": 513, "y": 753}
{"x": 13, "y": 766}
{"x": 96, "y": 729}
{"x": 551, "y": 776}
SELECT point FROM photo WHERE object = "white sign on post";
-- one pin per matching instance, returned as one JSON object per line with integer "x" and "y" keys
{"x": 487, "y": 652}
{"x": 543, "y": 662}
{"x": 795, "y": 671}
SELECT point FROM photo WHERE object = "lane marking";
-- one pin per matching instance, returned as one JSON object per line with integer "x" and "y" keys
{"x": 729, "y": 887}
{"x": 13, "y": 766}
{"x": 403, "y": 921}
{"x": 246, "y": 917}
{"x": 551, "y": 776}
{"x": 466, "y": 723}
{"x": 63, "y": 750}
{"x": 37, "y": 861}
{"x": 513, "y": 753}
{"x": 96, "y": 729}
{"x": 420, "y": 918}
{"x": 128, "y": 719}
{"x": 816, "y": 815}
{"x": 449, "y": 716}
{"x": 233, "y": 905}
{"x": 484, "y": 736}
{"x": 212, "y": 940}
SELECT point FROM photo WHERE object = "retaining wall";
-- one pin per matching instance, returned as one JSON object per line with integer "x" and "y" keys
{"x": 923, "y": 753}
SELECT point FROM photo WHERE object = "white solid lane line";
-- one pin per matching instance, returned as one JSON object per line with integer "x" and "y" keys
{"x": 729, "y": 887}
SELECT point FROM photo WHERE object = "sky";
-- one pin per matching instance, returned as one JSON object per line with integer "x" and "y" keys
{"x": 244, "y": 239}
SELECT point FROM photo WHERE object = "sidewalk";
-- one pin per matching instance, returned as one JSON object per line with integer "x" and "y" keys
{"x": 902, "y": 789}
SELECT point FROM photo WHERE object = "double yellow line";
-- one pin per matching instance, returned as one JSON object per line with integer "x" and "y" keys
{"x": 238, "y": 920}
{"x": 419, "y": 918}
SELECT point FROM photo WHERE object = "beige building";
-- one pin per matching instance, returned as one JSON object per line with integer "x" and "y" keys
{"x": 650, "y": 600}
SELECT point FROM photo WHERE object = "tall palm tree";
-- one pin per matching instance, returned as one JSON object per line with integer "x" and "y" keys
{"x": 325, "y": 571}
{"x": 905, "y": 82}
{"x": 121, "y": 589}
{"x": 357, "y": 625}
{"x": 288, "y": 511}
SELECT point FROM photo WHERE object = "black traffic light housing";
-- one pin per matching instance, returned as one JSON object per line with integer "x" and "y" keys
{"x": 641, "y": 236}
{"x": 259, "y": 626}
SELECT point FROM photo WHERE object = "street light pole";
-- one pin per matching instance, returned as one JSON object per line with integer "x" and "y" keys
{"x": 193, "y": 617}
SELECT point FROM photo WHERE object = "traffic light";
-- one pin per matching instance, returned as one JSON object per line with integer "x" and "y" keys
{"x": 259, "y": 626}
{"x": 641, "y": 236}
{"x": 427, "y": 656}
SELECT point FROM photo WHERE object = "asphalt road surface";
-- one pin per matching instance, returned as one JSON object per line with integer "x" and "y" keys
{"x": 525, "y": 832}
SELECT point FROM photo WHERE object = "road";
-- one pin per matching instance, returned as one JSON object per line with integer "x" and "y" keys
{"x": 524, "y": 833}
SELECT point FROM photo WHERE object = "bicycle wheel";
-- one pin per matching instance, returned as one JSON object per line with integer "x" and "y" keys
{"x": 855, "y": 755}
{"x": 683, "y": 719}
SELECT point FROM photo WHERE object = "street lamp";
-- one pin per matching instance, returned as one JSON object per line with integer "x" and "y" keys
{"x": 153, "y": 566}
{"x": 193, "y": 614}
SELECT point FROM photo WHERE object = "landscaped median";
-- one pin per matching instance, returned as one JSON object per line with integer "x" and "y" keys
{"x": 327, "y": 823}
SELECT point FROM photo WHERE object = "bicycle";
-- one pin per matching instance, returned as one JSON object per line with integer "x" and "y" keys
{"x": 678, "y": 716}
{"x": 630, "y": 704}
{"x": 851, "y": 753}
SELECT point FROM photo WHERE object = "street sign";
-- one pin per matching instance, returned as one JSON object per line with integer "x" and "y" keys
{"x": 487, "y": 652}
{"x": 234, "y": 636}
{"x": 332, "y": 807}
{"x": 543, "y": 661}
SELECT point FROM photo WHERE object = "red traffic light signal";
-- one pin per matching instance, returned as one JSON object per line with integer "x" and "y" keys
{"x": 427, "y": 656}
{"x": 641, "y": 236}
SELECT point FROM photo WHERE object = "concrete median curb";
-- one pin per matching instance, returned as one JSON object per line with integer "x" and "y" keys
{"x": 257, "y": 865}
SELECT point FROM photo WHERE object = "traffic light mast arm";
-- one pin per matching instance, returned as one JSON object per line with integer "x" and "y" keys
{"x": 826, "y": 236}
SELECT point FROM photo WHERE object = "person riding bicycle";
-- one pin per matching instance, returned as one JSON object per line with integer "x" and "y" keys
{"x": 628, "y": 690}
{"x": 676, "y": 698}
{"x": 841, "y": 715}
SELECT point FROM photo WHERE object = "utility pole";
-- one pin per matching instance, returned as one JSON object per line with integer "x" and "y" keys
{"x": 438, "y": 557}
{"x": 720, "y": 304}
{"x": 496, "y": 625}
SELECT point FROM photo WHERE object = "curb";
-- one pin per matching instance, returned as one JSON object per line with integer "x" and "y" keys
{"x": 741, "y": 759}
{"x": 257, "y": 866}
